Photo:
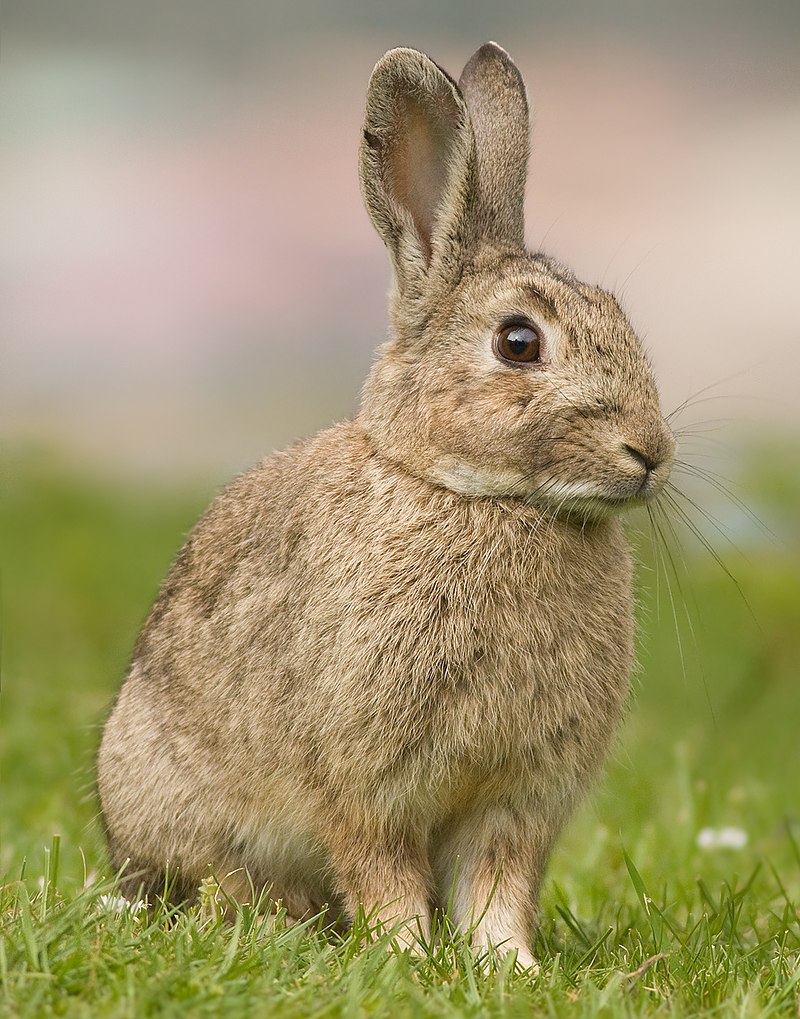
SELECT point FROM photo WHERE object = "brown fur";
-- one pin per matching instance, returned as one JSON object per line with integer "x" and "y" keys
{"x": 389, "y": 659}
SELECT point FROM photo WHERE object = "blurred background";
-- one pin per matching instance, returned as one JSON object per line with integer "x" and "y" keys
{"x": 189, "y": 277}
{"x": 188, "y": 281}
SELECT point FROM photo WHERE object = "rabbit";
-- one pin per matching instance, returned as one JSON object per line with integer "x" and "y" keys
{"x": 389, "y": 660}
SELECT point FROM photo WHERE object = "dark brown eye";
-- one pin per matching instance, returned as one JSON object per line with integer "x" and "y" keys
{"x": 518, "y": 343}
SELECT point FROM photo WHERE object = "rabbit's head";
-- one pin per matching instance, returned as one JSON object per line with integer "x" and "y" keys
{"x": 505, "y": 375}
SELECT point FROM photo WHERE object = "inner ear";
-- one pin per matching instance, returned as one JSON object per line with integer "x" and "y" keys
{"x": 419, "y": 162}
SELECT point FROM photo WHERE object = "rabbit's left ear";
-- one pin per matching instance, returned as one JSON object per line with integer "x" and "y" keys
{"x": 494, "y": 93}
{"x": 418, "y": 171}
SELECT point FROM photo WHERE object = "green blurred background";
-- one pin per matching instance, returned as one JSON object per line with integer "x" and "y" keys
{"x": 189, "y": 281}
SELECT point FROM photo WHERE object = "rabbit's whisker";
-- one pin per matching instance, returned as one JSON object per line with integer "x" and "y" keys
{"x": 672, "y": 491}
{"x": 662, "y": 509}
{"x": 692, "y": 398}
{"x": 692, "y": 526}
{"x": 721, "y": 485}
{"x": 664, "y": 558}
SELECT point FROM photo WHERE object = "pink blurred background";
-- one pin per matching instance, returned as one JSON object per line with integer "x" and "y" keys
{"x": 189, "y": 279}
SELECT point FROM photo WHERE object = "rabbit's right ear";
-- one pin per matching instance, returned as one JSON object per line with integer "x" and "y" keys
{"x": 494, "y": 93}
{"x": 418, "y": 169}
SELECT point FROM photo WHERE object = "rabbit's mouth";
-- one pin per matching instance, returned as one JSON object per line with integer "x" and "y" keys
{"x": 586, "y": 499}
{"x": 590, "y": 500}
{"x": 619, "y": 477}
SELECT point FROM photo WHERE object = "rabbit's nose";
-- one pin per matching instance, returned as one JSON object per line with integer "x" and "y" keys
{"x": 641, "y": 458}
{"x": 653, "y": 452}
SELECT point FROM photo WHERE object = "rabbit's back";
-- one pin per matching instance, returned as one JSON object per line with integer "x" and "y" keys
{"x": 340, "y": 637}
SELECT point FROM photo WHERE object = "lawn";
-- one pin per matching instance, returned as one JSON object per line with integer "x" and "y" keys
{"x": 675, "y": 890}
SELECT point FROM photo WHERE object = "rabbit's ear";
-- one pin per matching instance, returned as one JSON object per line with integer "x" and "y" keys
{"x": 494, "y": 92}
{"x": 418, "y": 169}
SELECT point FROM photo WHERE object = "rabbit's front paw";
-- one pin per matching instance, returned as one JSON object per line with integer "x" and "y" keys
{"x": 489, "y": 953}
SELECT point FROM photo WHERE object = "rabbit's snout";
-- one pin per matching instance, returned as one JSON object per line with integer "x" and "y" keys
{"x": 644, "y": 476}
{"x": 653, "y": 454}
{"x": 648, "y": 482}
{"x": 606, "y": 466}
{"x": 653, "y": 464}
{"x": 643, "y": 459}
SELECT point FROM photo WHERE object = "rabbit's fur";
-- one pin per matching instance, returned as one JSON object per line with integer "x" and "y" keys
{"x": 389, "y": 659}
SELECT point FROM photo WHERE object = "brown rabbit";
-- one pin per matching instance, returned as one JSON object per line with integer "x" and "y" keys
{"x": 388, "y": 660}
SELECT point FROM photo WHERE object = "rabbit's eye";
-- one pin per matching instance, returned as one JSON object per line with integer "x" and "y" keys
{"x": 518, "y": 343}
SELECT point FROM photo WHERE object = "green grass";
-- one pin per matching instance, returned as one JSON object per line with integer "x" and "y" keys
{"x": 638, "y": 919}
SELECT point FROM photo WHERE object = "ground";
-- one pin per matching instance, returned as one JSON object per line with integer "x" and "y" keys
{"x": 675, "y": 890}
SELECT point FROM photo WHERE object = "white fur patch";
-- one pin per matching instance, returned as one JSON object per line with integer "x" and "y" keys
{"x": 278, "y": 848}
{"x": 555, "y": 492}
{"x": 583, "y": 497}
{"x": 466, "y": 479}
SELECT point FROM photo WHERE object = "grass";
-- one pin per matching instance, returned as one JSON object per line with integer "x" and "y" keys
{"x": 638, "y": 917}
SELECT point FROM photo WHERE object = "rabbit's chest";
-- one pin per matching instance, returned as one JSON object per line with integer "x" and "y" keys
{"x": 527, "y": 677}
{"x": 479, "y": 660}
{"x": 530, "y": 693}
